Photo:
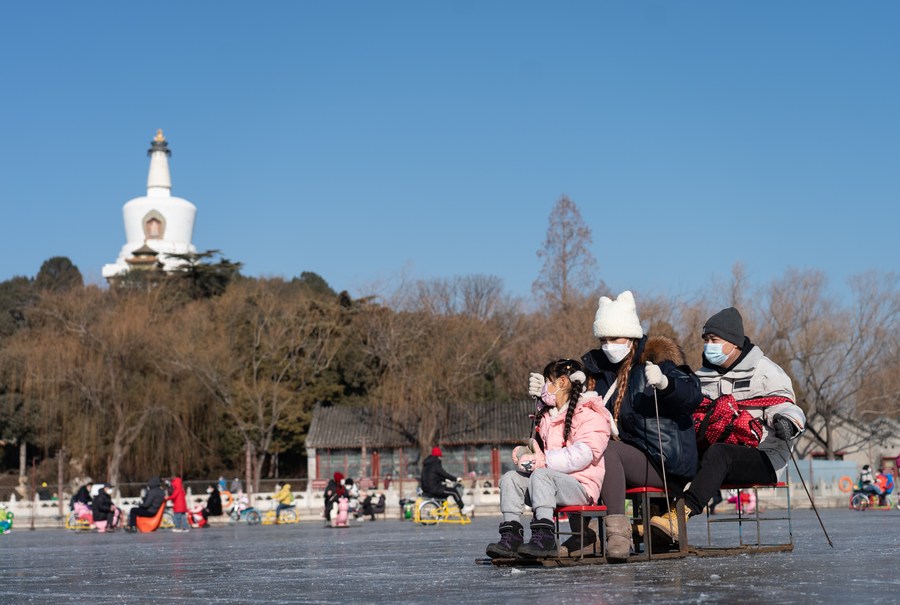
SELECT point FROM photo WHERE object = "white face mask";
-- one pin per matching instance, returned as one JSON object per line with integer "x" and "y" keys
{"x": 615, "y": 352}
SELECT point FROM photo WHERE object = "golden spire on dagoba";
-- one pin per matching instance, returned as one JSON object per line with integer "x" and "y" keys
{"x": 159, "y": 138}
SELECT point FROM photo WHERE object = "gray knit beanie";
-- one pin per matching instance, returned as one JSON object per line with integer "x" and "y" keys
{"x": 727, "y": 325}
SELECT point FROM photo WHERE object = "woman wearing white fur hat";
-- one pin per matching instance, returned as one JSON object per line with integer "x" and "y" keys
{"x": 626, "y": 369}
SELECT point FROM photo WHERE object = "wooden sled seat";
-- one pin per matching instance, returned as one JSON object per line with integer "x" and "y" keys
{"x": 755, "y": 518}
{"x": 146, "y": 525}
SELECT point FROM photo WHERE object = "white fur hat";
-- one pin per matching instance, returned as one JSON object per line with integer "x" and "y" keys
{"x": 617, "y": 318}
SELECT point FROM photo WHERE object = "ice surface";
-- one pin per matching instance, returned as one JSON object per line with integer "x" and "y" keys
{"x": 398, "y": 562}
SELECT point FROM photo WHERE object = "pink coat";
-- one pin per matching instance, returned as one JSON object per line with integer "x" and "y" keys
{"x": 582, "y": 456}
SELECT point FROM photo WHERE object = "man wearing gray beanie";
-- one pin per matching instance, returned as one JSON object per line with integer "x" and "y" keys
{"x": 726, "y": 324}
{"x": 755, "y": 446}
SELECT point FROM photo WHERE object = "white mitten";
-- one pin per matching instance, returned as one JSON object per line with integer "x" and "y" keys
{"x": 535, "y": 384}
{"x": 655, "y": 377}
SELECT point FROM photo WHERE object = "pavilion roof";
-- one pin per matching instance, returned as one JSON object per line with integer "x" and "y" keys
{"x": 484, "y": 423}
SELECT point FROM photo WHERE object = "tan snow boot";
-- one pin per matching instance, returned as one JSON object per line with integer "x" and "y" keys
{"x": 618, "y": 538}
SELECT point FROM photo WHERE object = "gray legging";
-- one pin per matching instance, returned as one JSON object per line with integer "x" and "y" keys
{"x": 626, "y": 466}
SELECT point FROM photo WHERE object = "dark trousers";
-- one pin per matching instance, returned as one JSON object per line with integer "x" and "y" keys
{"x": 109, "y": 517}
{"x": 716, "y": 501}
{"x": 451, "y": 493}
{"x": 367, "y": 509}
{"x": 138, "y": 511}
{"x": 626, "y": 466}
{"x": 723, "y": 463}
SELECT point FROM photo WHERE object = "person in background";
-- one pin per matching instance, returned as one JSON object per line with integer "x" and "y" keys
{"x": 867, "y": 481}
{"x": 380, "y": 505}
{"x": 198, "y": 514}
{"x": 104, "y": 509}
{"x": 43, "y": 491}
{"x": 352, "y": 497}
{"x": 285, "y": 498}
{"x": 370, "y": 506}
{"x": 885, "y": 481}
{"x": 83, "y": 495}
{"x": 179, "y": 506}
{"x": 236, "y": 487}
{"x": 333, "y": 492}
{"x": 433, "y": 477}
{"x": 213, "y": 502}
{"x": 153, "y": 499}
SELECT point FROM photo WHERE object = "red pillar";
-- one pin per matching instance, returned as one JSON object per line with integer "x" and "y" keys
{"x": 495, "y": 465}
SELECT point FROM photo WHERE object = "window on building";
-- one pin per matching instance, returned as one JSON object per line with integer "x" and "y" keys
{"x": 154, "y": 229}
{"x": 506, "y": 464}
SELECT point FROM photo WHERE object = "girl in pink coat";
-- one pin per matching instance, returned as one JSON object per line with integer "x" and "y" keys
{"x": 563, "y": 467}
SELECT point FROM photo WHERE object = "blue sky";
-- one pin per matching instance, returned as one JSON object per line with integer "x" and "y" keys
{"x": 369, "y": 140}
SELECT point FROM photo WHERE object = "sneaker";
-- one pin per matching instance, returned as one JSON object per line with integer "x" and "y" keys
{"x": 468, "y": 509}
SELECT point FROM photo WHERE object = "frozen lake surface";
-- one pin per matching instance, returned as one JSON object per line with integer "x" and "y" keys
{"x": 397, "y": 562}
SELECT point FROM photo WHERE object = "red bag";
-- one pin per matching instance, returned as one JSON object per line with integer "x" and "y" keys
{"x": 724, "y": 420}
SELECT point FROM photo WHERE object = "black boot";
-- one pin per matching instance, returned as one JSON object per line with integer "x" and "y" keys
{"x": 542, "y": 543}
{"x": 574, "y": 544}
{"x": 512, "y": 535}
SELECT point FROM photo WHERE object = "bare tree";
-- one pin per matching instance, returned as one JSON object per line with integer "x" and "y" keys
{"x": 835, "y": 351}
{"x": 569, "y": 266}
{"x": 428, "y": 365}
{"x": 90, "y": 363}
{"x": 477, "y": 296}
{"x": 255, "y": 350}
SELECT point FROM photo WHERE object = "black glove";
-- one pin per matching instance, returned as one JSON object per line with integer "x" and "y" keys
{"x": 784, "y": 428}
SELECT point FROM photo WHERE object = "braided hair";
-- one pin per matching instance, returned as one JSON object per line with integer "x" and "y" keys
{"x": 565, "y": 367}
{"x": 622, "y": 382}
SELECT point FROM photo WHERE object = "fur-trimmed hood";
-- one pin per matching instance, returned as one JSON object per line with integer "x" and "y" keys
{"x": 662, "y": 348}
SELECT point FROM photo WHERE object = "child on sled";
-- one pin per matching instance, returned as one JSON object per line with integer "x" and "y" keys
{"x": 563, "y": 466}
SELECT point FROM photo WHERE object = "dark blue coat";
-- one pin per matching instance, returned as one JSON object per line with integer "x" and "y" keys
{"x": 637, "y": 421}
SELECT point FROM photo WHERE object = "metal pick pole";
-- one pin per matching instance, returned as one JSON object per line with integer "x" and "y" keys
{"x": 810, "y": 497}
{"x": 662, "y": 462}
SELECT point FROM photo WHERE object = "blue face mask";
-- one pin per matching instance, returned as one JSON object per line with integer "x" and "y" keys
{"x": 714, "y": 354}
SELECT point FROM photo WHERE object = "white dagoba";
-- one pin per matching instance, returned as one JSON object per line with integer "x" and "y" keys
{"x": 158, "y": 220}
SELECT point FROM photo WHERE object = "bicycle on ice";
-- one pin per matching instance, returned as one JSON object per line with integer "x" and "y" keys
{"x": 244, "y": 511}
{"x": 865, "y": 500}
{"x": 431, "y": 510}
{"x": 285, "y": 516}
